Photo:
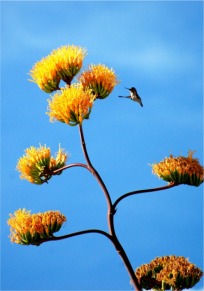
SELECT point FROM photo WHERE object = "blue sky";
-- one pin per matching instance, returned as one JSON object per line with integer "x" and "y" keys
{"x": 154, "y": 46}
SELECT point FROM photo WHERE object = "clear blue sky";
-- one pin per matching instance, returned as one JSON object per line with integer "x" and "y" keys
{"x": 154, "y": 46}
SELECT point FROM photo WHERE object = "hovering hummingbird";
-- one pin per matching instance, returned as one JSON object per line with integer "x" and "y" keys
{"x": 133, "y": 96}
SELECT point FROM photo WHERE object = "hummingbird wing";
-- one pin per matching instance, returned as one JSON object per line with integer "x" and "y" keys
{"x": 124, "y": 96}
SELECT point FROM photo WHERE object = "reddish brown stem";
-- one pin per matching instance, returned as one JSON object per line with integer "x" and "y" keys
{"x": 110, "y": 216}
{"x": 143, "y": 191}
{"x": 82, "y": 232}
{"x": 70, "y": 166}
{"x": 111, "y": 210}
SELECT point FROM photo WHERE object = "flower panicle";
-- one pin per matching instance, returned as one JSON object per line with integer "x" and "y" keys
{"x": 37, "y": 165}
{"x": 69, "y": 60}
{"x": 44, "y": 74}
{"x": 100, "y": 79}
{"x": 180, "y": 170}
{"x": 168, "y": 272}
{"x": 27, "y": 228}
{"x": 71, "y": 106}
{"x": 63, "y": 63}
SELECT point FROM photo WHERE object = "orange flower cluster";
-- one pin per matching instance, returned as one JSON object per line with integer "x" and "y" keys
{"x": 63, "y": 63}
{"x": 100, "y": 79}
{"x": 37, "y": 165}
{"x": 72, "y": 105}
{"x": 29, "y": 228}
{"x": 180, "y": 170}
{"x": 168, "y": 272}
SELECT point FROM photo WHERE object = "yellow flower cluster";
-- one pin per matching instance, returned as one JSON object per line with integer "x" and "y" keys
{"x": 29, "y": 228}
{"x": 168, "y": 272}
{"x": 37, "y": 165}
{"x": 72, "y": 105}
{"x": 44, "y": 74}
{"x": 180, "y": 170}
{"x": 63, "y": 63}
{"x": 100, "y": 79}
{"x": 69, "y": 60}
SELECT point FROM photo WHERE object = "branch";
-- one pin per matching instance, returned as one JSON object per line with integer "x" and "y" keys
{"x": 143, "y": 191}
{"x": 70, "y": 166}
{"x": 54, "y": 238}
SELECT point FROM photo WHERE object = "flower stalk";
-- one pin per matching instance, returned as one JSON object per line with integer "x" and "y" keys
{"x": 72, "y": 105}
{"x": 110, "y": 215}
{"x": 170, "y": 185}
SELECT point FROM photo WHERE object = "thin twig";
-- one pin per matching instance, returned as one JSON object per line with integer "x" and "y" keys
{"x": 70, "y": 166}
{"x": 82, "y": 232}
{"x": 143, "y": 191}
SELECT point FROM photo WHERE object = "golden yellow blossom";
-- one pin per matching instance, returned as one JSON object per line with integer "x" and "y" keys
{"x": 44, "y": 73}
{"x": 37, "y": 165}
{"x": 62, "y": 64}
{"x": 69, "y": 60}
{"x": 100, "y": 79}
{"x": 168, "y": 272}
{"x": 180, "y": 170}
{"x": 72, "y": 105}
{"x": 27, "y": 228}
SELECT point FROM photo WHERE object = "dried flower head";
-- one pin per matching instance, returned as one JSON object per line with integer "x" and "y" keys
{"x": 72, "y": 105}
{"x": 180, "y": 170}
{"x": 100, "y": 79}
{"x": 37, "y": 165}
{"x": 168, "y": 272}
{"x": 62, "y": 64}
{"x": 29, "y": 228}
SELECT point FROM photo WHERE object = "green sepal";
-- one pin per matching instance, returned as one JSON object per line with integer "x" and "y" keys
{"x": 73, "y": 118}
{"x": 51, "y": 86}
{"x": 54, "y": 226}
{"x": 58, "y": 227}
{"x": 24, "y": 240}
{"x": 87, "y": 115}
{"x": 46, "y": 232}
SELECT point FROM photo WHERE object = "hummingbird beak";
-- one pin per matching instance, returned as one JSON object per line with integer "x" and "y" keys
{"x": 127, "y": 88}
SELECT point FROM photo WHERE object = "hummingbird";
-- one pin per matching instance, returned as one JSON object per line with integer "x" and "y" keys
{"x": 133, "y": 95}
